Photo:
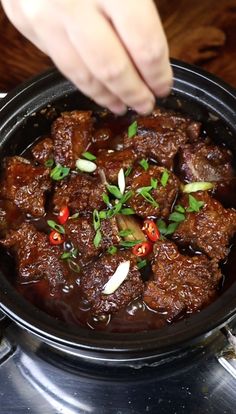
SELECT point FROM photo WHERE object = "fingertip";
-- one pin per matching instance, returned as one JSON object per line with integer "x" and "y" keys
{"x": 146, "y": 107}
{"x": 165, "y": 86}
{"x": 118, "y": 109}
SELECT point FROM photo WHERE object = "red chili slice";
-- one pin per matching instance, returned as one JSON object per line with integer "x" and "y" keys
{"x": 142, "y": 249}
{"x": 56, "y": 238}
{"x": 151, "y": 230}
{"x": 63, "y": 215}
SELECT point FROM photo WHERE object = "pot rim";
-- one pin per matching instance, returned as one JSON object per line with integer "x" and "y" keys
{"x": 166, "y": 338}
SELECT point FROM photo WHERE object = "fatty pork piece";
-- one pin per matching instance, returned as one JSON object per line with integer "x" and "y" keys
{"x": 81, "y": 233}
{"x": 25, "y": 185}
{"x": 43, "y": 150}
{"x": 163, "y": 196}
{"x": 72, "y": 135}
{"x": 160, "y": 136}
{"x": 202, "y": 162}
{"x": 208, "y": 230}
{"x": 36, "y": 258}
{"x": 97, "y": 274}
{"x": 181, "y": 284}
{"x": 80, "y": 192}
{"x": 112, "y": 162}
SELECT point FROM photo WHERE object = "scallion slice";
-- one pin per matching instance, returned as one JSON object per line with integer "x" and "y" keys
{"x": 85, "y": 165}
{"x": 121, "y": 181}
{"x": 165, "y": 178}
{"x": 89, "y": 156}
{"x": 59, "y": 172}
{"x": 132, "y": 130}
{"x": 197, "y": 186}
{"x": 144, "y": 164}
{"x": 117, "y": 278}
{"x": 55, "y": 226}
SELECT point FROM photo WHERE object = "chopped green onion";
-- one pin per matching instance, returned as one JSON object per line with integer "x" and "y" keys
{"x": 161, "y": 226}
{"x": 56, "y": 226}
{"x": 89, "y": 156}
{"x": 197, "y": 186}
{"x": 85, "y": 165}
{"x": 97, "y": 239}
{"x": 171, "y": 228}
{"x": 96, "y": 220}
{"x": 129, "y": 243}
{"x": 154, "y": 183}
{"x": 114, "y": 190}
{"x": 49, "y": 163}
{"x": 102, "y": 214}
{"x": 179, "y": 208}
{"x": 142, "y": 263}
{"x": 194, "y": 204}
{"x": 67, "y": 255}
{"x": 114, "y": 210}
{"x": 112, "y": 250}
{"x": 125, "y": 233}
{"x": 128, "y": 171}
{"x": 144, "y": 189}
{"x": 59, "y": 172}
{"x": 177, "y": 217}
{"x": 132, "y": 130}
{"x": 74, "y": 216}
{"x": 148, "y": 197}
{"x": 121, "y": 181}
{"x": 117, "y": 278}
{"x": 127, "y": 211}
{"x": 106, "y": 199}
{"x": 126, "y": 196}
{"x": 165, "y": 178}
{"x": 166, "y": 230}
{"x": 144, "y": 164}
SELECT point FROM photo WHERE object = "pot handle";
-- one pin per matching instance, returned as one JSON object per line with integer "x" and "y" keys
{"x": 227, "y": 357}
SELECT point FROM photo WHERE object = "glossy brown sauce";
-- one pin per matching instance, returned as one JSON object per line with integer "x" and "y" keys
{"x": 68, "y": 305}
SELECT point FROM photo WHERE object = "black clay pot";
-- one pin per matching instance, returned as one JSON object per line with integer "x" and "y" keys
{"x": 196, "y": 93}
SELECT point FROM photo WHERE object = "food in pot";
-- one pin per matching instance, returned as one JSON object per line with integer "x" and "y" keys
{"x": 117, "y": 223}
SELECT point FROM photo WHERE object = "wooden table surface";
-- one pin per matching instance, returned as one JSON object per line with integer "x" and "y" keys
{"x": 200, "y": 32}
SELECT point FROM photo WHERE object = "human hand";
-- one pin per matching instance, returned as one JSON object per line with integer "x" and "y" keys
{"x": 114, "y": 51}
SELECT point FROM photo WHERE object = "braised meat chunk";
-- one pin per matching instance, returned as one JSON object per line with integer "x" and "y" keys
{"x": 114, "y": 235}
{"x": 208, "y": 230}
{"x": 97, "y": 275}
{"x": 72, "y": 135}
{"x": 175, "y": 120}
{"x": 81, "y": 233}
{"x": 36, "y": 258}
{"x": 181, "y": 284}
{"x": 112, "y": 161}
{"x": 160, "y": 136}
{"x": 43, "y": 150}
{"x": 80, "y": 192}
{"x": 202, "y": 162}
{"x": 25, "y": 185}
{"x": 150, "y": 199}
